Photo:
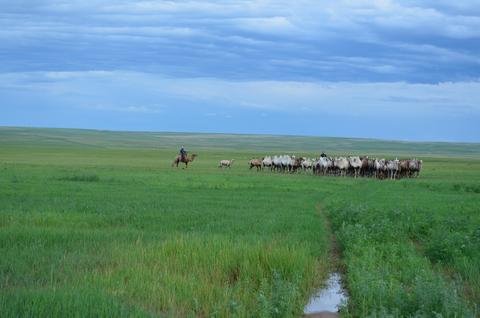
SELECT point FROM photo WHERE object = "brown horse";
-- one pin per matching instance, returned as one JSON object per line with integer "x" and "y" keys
{"x": 185, "y": 160}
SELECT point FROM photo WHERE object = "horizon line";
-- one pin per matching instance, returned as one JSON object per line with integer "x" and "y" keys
{"x": 247, "y": 134}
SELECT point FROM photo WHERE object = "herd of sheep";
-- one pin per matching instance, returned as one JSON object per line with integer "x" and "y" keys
{"x": 354, "y": 166}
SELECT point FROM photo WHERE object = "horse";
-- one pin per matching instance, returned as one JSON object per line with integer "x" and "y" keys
{"x": 186, "y": 159}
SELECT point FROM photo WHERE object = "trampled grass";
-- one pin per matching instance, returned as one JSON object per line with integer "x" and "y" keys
{"x": 90, "y": 230}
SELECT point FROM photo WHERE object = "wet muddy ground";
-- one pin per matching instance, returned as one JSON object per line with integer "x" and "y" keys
{"x": 327, "y": 301}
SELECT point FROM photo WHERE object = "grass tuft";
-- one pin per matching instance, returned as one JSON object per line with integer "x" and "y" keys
{"x": 82, "y": 178}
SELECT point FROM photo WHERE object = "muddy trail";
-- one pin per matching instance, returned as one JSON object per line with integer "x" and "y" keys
{"x": 327, "y": 301}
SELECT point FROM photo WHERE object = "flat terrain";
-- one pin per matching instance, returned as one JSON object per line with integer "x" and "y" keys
{"x": 97, "y": 224}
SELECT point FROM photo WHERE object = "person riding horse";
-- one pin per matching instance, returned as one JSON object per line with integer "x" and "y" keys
{"x": 183, "y": 153}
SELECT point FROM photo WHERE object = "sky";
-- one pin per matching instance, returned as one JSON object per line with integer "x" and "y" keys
{"x": 404, "y": 70}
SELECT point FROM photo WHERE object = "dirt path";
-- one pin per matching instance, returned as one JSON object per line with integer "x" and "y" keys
{"x": 335, "y": 252}
{"x": 335, "y": 262}
{"x": 325, "y": 314}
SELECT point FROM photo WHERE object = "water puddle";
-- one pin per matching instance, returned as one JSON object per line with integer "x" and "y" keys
{"x": 326, "y": 302}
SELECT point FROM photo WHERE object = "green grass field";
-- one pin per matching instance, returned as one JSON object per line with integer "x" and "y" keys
{"x": 97, "y": 224}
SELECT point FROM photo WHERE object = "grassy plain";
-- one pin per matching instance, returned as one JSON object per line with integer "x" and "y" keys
{"x": 97, "y": 224}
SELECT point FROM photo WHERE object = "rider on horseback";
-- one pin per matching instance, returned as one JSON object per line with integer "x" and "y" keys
{"x": 183, "y": 153}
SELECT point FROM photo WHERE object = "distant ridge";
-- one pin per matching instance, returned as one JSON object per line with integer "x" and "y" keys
{"x": 262, "y": 144}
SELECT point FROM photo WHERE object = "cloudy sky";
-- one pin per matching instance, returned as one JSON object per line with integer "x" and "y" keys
{"x": 405, "y": 70}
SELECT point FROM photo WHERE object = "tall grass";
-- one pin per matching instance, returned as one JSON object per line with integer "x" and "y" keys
{"x": 410, "y": 248}
{"x": 154, "y": 242}
{"x": 96, "y": 232}
{"x": 213, "y": 276}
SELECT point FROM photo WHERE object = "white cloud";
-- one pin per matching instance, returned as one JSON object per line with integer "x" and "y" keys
{"x": 70, "y": 75}
{"x": 363, "y": 40}
{"x": 134, "y": 92}
{"x": 274, "y": 25}
{"x": 150, "y": 109}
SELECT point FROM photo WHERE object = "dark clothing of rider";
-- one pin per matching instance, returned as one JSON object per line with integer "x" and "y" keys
{"x": 183, "y": 152}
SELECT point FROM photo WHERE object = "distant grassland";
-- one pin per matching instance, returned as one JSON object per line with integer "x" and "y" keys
{"x": 97, "y": 224}
{"x": 262, "y": 144}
